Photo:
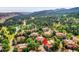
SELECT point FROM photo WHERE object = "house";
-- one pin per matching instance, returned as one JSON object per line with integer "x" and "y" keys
{"x": 34, "y": 34}
{"x": 70, "y": 44}
{"x": 47, "y": 31}
{"x": 51, "y": 41}
{"x": 60, "y": 34}
{"x": 75, "y": 39}
{"x": 39, "y": 38}
{"x": 21, "y": 46}
{"x": 20, "y": 34}
{"x": 20, "y": 37}
{"x": 44, "y": 41}
{"x": 41, "y": 48}
{"x": 31, "y": 30}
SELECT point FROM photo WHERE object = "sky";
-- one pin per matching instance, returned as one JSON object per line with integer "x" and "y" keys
{"x": 19, "y": 5}
{"x": 28, "y": 9}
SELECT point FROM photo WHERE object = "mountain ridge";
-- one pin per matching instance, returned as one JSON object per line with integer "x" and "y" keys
{"x": 55, "y": 12}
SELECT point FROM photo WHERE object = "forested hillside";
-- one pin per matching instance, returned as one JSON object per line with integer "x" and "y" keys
{"x": 43, "y": 31}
